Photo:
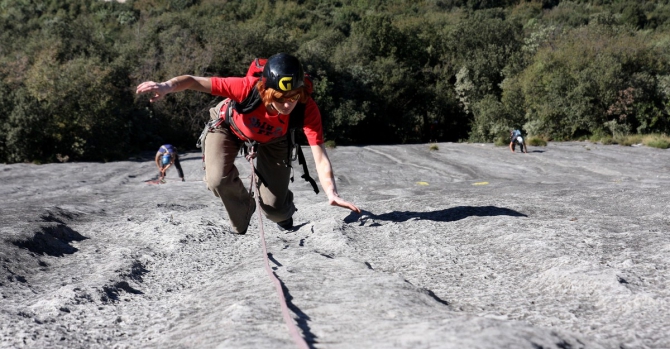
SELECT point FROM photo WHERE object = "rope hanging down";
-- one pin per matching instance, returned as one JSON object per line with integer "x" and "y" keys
{"x": 292, "y": 328}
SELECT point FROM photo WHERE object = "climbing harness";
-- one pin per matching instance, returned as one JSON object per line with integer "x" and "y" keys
{"x": 294, "y": 149}
{"x": 292, "y": 328}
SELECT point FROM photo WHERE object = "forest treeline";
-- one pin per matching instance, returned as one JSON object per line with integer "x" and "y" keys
{"x": 385, "y": 71}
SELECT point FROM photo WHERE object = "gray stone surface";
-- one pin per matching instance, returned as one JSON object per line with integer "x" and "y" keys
{"x": 469, "y": 246}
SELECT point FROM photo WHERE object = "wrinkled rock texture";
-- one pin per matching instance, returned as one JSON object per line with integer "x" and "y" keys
{"x": 468, "y": 246}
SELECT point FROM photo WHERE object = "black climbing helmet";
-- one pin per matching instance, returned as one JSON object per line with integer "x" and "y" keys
{"x": 283, "y": 73}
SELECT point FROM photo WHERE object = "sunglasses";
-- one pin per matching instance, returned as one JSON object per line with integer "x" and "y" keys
{"x": 287, "y": 99}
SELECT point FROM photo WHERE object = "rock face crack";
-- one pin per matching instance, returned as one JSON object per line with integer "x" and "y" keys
{"x": 435, "y": 297}
{"x": 111, "y": 293}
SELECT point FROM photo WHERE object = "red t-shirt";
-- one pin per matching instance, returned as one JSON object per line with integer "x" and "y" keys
{"x": 258, "y": 125}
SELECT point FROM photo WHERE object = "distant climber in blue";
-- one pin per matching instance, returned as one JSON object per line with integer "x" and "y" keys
{"x": 517, "y": 138}
{"x": 165, "y": 158}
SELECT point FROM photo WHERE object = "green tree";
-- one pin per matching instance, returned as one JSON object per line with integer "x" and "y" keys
{"x": 578, "y": 85}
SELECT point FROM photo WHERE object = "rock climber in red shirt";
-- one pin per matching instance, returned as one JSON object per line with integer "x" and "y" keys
{"x": 279, "y": 90}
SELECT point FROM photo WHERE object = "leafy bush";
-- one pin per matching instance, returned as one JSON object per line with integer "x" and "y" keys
{"x": 607, "y": 140}
{"x": 657, "y": 141}
{"x": 384, "y": 71}
{"x": 537, "y": 142}
{"x": 629, "y": 140}
{"x": 330, "y": 144}
{"x": 501, "y": 141}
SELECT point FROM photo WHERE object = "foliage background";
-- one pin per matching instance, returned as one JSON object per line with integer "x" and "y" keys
{"x": 386, "y": 72}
